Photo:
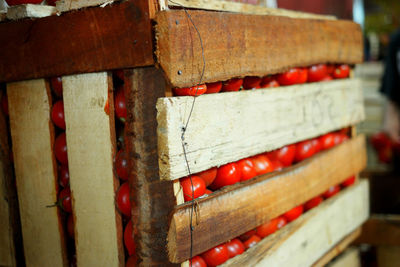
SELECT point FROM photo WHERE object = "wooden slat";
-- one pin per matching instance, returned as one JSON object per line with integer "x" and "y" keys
{"x": 30, "y": 11}
{"x": 243, "y": 8}
{"x": 35, "y": 170}
{"x": 88, "y": 40}
{"x": 227, "y": 127}
{"x": 338, "y": 249}
{"x": 381, "y": 230}
{"x": 305, "y": 240}
{"x": 91, "y": 146}
{"x": 67, "y": 5}
{"x": 153, "y": 199}
{"x": 242, "y": 207}
{"x": 239, "y": 45}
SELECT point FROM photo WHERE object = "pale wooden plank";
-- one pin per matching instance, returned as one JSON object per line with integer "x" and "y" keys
{"x": 66, "y": 5}
{"x": 89, "y": 131}
{"x": 29, "y": 11}
{"x": 236, "y": 7}
{"x": 244, "y": 206}
{"x": 35, "y": 169}
{"x": 305, "y": 240}
{"x": 226, "y": 127}
{"x": 349, "y": 258}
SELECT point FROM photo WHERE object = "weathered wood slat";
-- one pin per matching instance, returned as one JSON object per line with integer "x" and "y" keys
{"x": 30, "y": 11}
{"x": 242, "y": 207}
{"x": 227, "y": 127}
{"x": 381, "y": 230}
{"x": 236, "y": 45}
{"x": 67, "y": 5}
{"x": 305, "y": 240}
{"x": 91, "y": 147}
{"x": 88, "y": 40}
{"x": 35, "y": 169}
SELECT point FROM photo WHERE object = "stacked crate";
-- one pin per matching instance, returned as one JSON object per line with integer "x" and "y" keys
{"x": 223, "y": 128}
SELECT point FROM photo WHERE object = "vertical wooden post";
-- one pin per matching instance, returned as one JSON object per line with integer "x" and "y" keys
{"x": 35, "y": 169}
{"x": 153, "y": 199}
{"x": 91, "y": 142}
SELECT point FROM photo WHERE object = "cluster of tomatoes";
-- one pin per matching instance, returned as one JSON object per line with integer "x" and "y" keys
{"x": 215, "y": 178}
{"x": 122, "y": 197}
{"x": 385, "y": 147}
{"x": 35, "y": 2}
{"x": 315, "y": 73}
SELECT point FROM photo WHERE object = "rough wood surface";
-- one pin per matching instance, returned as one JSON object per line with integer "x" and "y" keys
{"x": 88, "y": 40}
{"x": 29, "y": 11}
{"x": 243, "y": 8}
{"x": 67, "y": 5}
{"x": 381, "y": 230}
{"x": 236, "y": 45}
{"x": 242, "y": 207}
{"x": 305, "y": 240}
{"x": 35, "y": 169}
{"x": 91, "y": 149}
{"x": 337, "y": 250}
{"x": 153, "y": 199}
{"x": 227, "y": 127}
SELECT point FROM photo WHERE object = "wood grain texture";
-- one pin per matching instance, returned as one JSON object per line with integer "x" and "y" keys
{"x": 242, "y": 207}
{"x": 381, "y": 230}
{"x": 237, "y": 45}
{"x": 67, "y": 5}
{"x": 243, "y": 8}
{"x": 30, "y": 11}
{"x": 305, "y": 240}
{"x": 153, "y": 199}
{"x": 35, "y": 169}
{"x": 337, "y": 250}
{"x": 227, "y": 127}
{"x": 98, "y": 225}
{"x": 88, "y": 40}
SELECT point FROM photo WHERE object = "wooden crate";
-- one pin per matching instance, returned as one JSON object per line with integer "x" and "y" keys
{"x": 86, "y": 51}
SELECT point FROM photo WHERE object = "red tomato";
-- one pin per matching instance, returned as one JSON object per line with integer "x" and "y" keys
{"x": 208, "y": 191}
{"x": 267, "y": 228}
{"x": 120, "y": 104}
{"x": 63, "y": 175}
{"x": 213, "y": 87}
{"x": 123, "y": 199}
{"x": 250, "y": 82}
{"x": 121, "y": 165}
{"x": 290, "y": 77}
{"x": 60, "y": 149}
{"x": 294, "y": 213}
{"x": 330, "y": 68}
{"x": 21, "y": 2}
{"x": 327, "y": 141}
{"x": 4, "y": 104}
{"x": 281, "y": 222}
{"x": 278, "y": 166}
{"x": 56, "y": 85}
{"x": 70, "y": 226}
{"x": 262, "y": 164}
{"x": 128, "y": 238}
{"x": 252, "y": 241}
{"x": 227, "y": 174}
{"x": 247, "y": 235}
{"x": 190, "y": 91}
{"x": 235, "y": 247}
{"x": 269, "y": 81}
{"x": 341, "y": 71}
{"x": 304, "y": 150}
{"x": 303, "y": 75}
{"x": 198, "y": 189}
{"x": 285, "y": 154}
{"x": 380, "y": 140}
{"x": 64, "y": 198}
{"x": 333, "y": 190}
{"x": 312, "y": 203}
{"x": 317, "y": 72}
{"x": 349, "y": 181}
{"x": 57, "y": 114}
{"x": 247, "y": 169}
{"x": 208, "y": 176}
{"x": 216, "y": 256}
{"x": 385, "y": 155}
{"x": 118, "y": 74}
{"x": 232, "y": 85}
{"x": 198, "y": 261}
{"x": 327, "y": 78}
{"x": 339, "y": 138}
{"x": 316, "y": 144}
{"x": 131, "y": 262}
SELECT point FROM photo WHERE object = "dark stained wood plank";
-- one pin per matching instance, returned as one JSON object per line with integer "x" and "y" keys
{"x": 381, "y": 230}
{"x": 152, "y": 199}
{"x": 242, "y": 207}
{"x": 88, "y": 40}
{"x": 236, "y": 45}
